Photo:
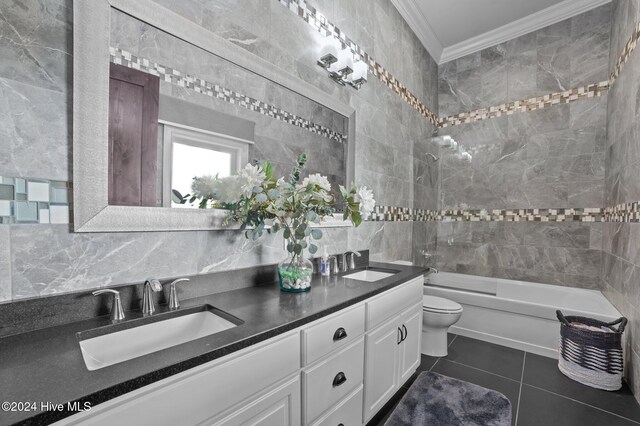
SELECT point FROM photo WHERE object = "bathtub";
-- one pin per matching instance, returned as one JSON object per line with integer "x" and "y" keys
{"x": 517, "y": 314}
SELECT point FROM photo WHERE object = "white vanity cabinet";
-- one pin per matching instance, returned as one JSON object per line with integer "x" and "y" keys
{"x": 333, "y": 371}
{"x": 338, "y": 370}
{"x": 392, "y": 343}
{"x": 236, "y": 389}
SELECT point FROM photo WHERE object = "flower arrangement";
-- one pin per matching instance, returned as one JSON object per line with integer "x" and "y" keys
{"x": 259, "y": 201}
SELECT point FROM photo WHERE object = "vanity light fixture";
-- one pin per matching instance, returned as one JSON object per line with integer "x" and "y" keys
{"x": 340, "y": 64}
{"x": 446, "y": 141}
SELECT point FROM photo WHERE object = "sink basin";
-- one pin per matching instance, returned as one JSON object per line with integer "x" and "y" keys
{"x": 370, "y": 275}
{"x": 122, "y": 342}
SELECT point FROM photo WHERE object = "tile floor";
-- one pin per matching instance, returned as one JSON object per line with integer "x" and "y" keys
{"x": 539, "y": 393}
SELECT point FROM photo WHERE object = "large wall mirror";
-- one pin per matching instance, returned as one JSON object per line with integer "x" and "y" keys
{"x": 159, "y": 100}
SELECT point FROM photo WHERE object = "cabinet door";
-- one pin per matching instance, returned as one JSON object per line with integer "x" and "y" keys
{"x": 410, "y": 349}
{"x": 279, "y": 406}
{"x": 381, "y": 366}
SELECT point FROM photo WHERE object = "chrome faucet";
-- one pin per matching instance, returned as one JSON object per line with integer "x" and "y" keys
{"x": 333, "y": 265}
{"x": 352, "y": 261}
{"x": 117, "y": 314}
{"x": 174, "y": 303}
{"x": 150, "y": 286}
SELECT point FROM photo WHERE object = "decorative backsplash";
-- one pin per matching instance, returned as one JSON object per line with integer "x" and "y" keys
{"x": 179, "y": 78}
{"x": 34, "y": 201}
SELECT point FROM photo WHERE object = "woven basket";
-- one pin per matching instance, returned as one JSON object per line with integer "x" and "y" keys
{"x": 591, "y": 357}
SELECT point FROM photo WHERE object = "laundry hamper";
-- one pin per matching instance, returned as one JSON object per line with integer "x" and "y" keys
{"x": 591, "y": 351}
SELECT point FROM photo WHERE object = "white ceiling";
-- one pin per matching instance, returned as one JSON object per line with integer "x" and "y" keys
{"x": 450, "y": 29}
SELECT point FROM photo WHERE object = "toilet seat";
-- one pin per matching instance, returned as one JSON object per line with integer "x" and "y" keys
{"x": 440, "y": 305}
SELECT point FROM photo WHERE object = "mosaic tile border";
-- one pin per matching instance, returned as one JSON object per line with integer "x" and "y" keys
{"x": 628, "y": 212}
{"x": 58, "y": 209}
{"x": 314, "y": 18}
{"x": 526, "y": 105}
{"x": 28, "y": 200}
{"x": 626, "y": 52}
{"x": 178, "y": 78}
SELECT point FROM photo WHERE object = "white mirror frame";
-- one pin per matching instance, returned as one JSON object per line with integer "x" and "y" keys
{"x": 91, "y": 38}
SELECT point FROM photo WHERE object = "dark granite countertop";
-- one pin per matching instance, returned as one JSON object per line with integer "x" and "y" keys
{"x": 46, "y": 366}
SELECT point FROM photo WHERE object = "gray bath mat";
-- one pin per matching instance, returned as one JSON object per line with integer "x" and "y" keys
{"x": 437, "y": 400}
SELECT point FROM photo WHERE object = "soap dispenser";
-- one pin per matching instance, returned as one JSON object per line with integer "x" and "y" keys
{"x": 325, "y": 269}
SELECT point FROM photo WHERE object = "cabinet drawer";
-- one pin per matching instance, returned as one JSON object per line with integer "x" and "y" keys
{"x": 333, "y": 333}
{"x": 328, "y": 382}
{"x": 201, "y": 392}
{"x": 392, "y": 302}
{"x": 347, "y": 413}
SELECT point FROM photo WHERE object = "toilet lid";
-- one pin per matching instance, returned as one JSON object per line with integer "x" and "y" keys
{"x": 440, "y": 304}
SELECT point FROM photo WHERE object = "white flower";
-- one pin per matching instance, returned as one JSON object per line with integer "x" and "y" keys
{"x": 203, "y": 186}
{"x": 228, "y": 189}
{"x": 317, "y": 179}
{"x": 250, "y": 177}
{"x": 367, "y": 203}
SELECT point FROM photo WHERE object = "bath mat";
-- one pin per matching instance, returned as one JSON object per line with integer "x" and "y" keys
{"x": 437, "y": 400}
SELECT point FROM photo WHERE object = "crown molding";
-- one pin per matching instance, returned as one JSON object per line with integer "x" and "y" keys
{"x": 556, "y": 13}
{"x": 411, "y": 13}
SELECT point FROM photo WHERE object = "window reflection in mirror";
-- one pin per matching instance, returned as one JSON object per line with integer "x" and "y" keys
{"x": 193, "y": 153}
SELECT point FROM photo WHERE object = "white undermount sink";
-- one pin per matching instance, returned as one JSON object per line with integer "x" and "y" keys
{"x": 369, "y": 275}
{"x": 123, "y": 345}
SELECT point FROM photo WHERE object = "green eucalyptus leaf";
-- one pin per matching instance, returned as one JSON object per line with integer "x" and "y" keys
{"x": 311, "y": 215}
{"x": 290, "y": 247}
{"x": 316, "y": 234}
{"x": 287, "y": 233}
{"x": 267, "y": 168}
{"x": 297, "y": 249}
{"x": 177, "y": 197}
{"x": 313, "y": 248}
{"x": 304, "y": 244}
{"x": 356, "y": 218}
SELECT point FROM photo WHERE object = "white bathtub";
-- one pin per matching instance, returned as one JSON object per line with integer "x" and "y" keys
{"x": 517, "y": 314}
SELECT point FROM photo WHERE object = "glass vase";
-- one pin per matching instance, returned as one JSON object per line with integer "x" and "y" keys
{"x": 295, "y": 273}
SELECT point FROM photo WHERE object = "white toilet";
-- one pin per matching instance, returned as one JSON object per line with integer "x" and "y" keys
{"x": 438, "y": 315}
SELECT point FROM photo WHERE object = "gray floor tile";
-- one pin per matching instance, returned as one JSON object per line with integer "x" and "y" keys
{"x": 543, "y": 373}
{"x": 486, "y": 356}
{"x": 539, "y": 407}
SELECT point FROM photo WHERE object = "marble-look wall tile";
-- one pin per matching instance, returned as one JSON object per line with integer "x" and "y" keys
{"x": 620, "y": 269}
{"x": 565, "y": 254}
{"x": 34, "y": 121}
{"x": 36, "y": 43}
{"x": 5, "y": 264}
{"x": 54, "y": 260}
